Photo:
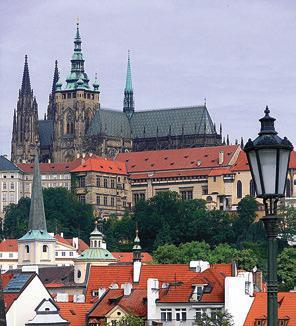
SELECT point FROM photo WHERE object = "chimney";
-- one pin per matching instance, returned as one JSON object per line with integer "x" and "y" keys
{"x": 31, "y": 269}
{"x": 199, "y": 266}
{"x": 75, "y": 242}
{"x": 77, "y": 155}
{"x": 221, "y": 157}
{"x": 49, "y": 160}
{"x": 83, "y": 155}
{"x": 62, "y": 234}
{"x": 90, "y": 154}
{"x": 127, "y": 288}
{"x": 152, "y": 296}
{"x": 136, "y": 271}
{"x": 258, "y": 280}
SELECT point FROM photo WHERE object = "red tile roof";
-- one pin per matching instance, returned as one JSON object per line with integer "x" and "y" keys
{"x": 292, "y": 164}
{"x": 74, "y": 312}
{"x": 50, "y": 167}
{"x": 241, "y": 163}
{"x": 8, "y": 245}
{"x": 104, "y": 276}
{"x": 287, "y": 308}
{"x": 127, "y": 257}
{"x": 133, "y": 304}
{"x": 175, "y": 159}
{"x": 81, "y": 244}
{"x": 9, "y": 298}
{"x": 100, "y": 164}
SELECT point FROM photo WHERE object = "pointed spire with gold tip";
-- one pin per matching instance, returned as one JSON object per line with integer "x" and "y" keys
{"x": 137, "y": 249}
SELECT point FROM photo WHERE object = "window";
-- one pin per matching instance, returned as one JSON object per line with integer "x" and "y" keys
{"x": 27, "y": 249}
{"x": 4, "y": 187}
{"x": 95, "y": 293}
{"x": 98, "y": 199}
{"x": 12, "y": 186}
{"x": 252, "y": 188}
{"x": 181, "y": 314}
{"x": 112, "y": 201}
{"x": 200, "y": 312}
{"x": 260, "y": 322}
{"x": 166, "y": 314}
{"x": 112, "y": 183}
{"x": 106, "y": 183}
{"x": 113, "y": 323}
{"x": 71, "y": 253}
{"x": 239, "y": 189}
{"x": 139, "y": 196}
{"x": 204, "y": 190}
{"x": 44, "y": 248}
{"x": 283, "y": 322}
{"x": 197, "y": 293}
{"x": 10, "y": 255}
{"x": 186, "y": 194}
{"x": 78, "y": 274}
{"x": 56, "y": 253}
{"x": 81, "y": 198}
{"x": 0, "y": 254}
{"x": 288, "y": 188}
{"x": 81, "y": 182}
{"x": 215, "y": 312}
{"x": 98, "y": 181}
{"x": 63, "y": 253}
{"x": 215, "y": 179}
{"x": 105, "y": 200}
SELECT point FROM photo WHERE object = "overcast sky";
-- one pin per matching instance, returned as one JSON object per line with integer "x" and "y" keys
{"x": 239, "y": 55}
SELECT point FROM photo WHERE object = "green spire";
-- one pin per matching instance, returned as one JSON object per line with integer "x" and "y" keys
{"x": 77, "y": 65}
{"x": 128, "y": 102}
{"x": 128, "y": 82}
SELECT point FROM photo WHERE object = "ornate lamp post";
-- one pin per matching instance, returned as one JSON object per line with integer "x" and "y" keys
{"x": 268, "y": 157}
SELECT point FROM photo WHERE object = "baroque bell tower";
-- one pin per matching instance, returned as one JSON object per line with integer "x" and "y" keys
{"x": 74, "y": 108}
{"x": 25, "y": 133}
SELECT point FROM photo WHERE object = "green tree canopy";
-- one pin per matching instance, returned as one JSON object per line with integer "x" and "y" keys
{"x": 64, "y": 213}
{"x": 286, "y": 268}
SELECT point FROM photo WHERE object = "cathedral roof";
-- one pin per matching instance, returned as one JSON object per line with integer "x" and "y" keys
{"x": 6, "y": 165}
{"x": 45, "y": 128}
{"x": 153, "y": 123}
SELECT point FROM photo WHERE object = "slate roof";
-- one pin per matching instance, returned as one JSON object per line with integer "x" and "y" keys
{"x": 6, "y": 165}
{"x": 45, "y": 132}
{"x": 174, "y": 121}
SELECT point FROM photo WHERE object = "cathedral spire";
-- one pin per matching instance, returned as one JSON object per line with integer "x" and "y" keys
{"x": 77, "y": 65}
{"x": 128, "y": 102}
{"x": 26, "y": 84}
{"x": 56, "y": 77}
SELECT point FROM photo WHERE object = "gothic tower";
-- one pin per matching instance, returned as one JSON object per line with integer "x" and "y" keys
{"x": 51, "y": 102}
{"x": 74, "y": 108}
{"x": 128, "y": 102}
{"x": 25, "y": 134}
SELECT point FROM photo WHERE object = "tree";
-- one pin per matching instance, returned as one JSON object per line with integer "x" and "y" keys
{"x": 132, "y": 321}
{"x": 64, "y": 213}
{"x": 288, "y": 225}
{"x": 286, "y": 268}
{"x": 221, "y": 318}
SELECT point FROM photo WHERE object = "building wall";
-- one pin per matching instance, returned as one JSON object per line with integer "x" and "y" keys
{"x": 33, "y": 294}
{"x": 108, "y": 193}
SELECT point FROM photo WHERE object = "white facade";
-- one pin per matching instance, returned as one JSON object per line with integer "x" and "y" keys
{"x": 23, "y": 308}
{"x": 239, "y": 296}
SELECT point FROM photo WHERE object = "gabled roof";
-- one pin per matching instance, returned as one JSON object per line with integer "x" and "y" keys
{"x": 100, "y": 164}
{"x": 241, "y": 163}
{"x": 74, "y": 312}
{"x": 287, "y": 310}
{"x": 178, "y": 159}
{"x": 6, "y": 165}
{"x": 133, "y": 304}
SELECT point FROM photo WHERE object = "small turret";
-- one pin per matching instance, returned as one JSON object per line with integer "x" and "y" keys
{"x": 137, "y": 249}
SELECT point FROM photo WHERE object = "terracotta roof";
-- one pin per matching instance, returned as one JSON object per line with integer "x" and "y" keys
{"x": 292, "y": 164}
{"x": 133, "y": 304}
{"x": 174, "y": 159}
{"x": 8, "y": 245}
{"x": 127, "y": 257}
{"x": 170, "y": 174}
{"x": 50, "y": 167}
{"x": 104, "y": 276}
{"x": 74, "y": 312}
{"x": 217, "y": 172}
{"x": 258, "y": 310}
{"x": 100, "y": 164}
{"x": 241, "y": 163}
{"x": 81, "y": 244}
{"x": 9, "y": 298}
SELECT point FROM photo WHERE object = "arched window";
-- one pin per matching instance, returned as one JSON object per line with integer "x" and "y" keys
{"x": 288, "y": 188}
{"x": 70, "y": 124}
{"x": 78, "y": 274}
{"x": 239, "y": 189}
{"x": 252, "y": 189}
{"x": 44, "y": 248}
{"x": 27, "y": 249}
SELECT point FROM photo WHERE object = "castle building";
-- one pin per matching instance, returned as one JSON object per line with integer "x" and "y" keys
{"x": 75, "y": 122}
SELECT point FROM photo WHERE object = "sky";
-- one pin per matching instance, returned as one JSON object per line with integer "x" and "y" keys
{"x": 240, "y": 55}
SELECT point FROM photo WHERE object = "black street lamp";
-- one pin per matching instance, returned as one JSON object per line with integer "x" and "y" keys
{"x": 268, "y": 157}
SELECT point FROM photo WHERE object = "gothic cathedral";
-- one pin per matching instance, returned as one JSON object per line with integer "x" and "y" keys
{"x": 75, "y": 123}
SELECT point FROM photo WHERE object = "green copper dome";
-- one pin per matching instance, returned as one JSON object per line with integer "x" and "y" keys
{"x": 96, "y": 254}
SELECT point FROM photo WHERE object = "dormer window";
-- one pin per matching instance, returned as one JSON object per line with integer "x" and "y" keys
{"x": 197, "y": 292}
